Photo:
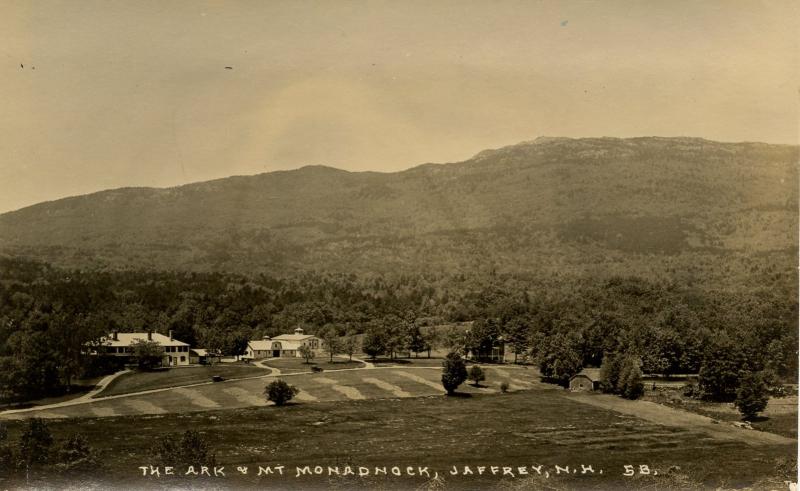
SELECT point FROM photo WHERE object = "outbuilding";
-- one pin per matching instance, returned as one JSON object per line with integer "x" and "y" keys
{"x": 585, "y": 380}
{"x": 285, "y": 345}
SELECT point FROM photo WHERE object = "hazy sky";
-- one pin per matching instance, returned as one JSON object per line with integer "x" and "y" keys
{"x": 105, "y": 94}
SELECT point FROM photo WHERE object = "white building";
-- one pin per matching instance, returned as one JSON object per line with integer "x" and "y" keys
{"x": 285, "y": 345}
{"x": 120, "y": 344}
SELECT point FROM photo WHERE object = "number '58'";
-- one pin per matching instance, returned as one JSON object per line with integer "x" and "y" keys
{"x": 630, "y": 470}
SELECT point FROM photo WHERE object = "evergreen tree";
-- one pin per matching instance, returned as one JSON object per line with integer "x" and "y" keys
{"x": 752, "y": 395}
{"x": 609, "y": 372}
{"x": 630, "y": 384}
{"x": 454, "y": 372}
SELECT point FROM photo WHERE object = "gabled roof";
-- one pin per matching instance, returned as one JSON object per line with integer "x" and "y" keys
{"x": 293, "y": 337}
{"x": 260, "y": 344}
{"x": 592, "y": 374}
{"x": 289, "y": 344}
{"x": 202, "y": 352}
{"x": 128, "y": 338}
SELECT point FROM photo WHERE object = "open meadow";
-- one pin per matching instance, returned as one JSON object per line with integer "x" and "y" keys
{"x": 387, "y": 417}
{"x": 522, "y": 429}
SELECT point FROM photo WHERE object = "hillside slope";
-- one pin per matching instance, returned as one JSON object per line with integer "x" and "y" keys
{"x": 724, "y": 213}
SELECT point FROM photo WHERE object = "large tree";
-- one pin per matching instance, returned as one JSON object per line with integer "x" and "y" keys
{"x": 330, "y": 340}
{"x": 719, "y": 374}
{"x": 306, "y": 352}
{"x": 558, "y": 358}
{"x": 373, "y": 343}
{"x": 752, "y": 395}
{"x": 350, "y": 344}
{"x": 148, "y": 354}
{"x": 416, "y": 341}
{"x": 454, "y": 372}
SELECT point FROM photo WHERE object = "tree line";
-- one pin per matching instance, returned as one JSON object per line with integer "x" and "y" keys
{"x": 48, "y": 315}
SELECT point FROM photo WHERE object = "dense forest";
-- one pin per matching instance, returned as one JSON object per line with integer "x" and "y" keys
{"x": 48, "y": 314}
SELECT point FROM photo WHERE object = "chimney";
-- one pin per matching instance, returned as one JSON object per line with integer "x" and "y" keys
{"x": 170, "y": 334}
{"x": 267, "y": 338}
{"x": 149, "y": 335}
{"x": 114, "y": 335}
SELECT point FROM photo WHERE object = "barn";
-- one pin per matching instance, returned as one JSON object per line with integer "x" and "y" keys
{"x": 586, "y": 379}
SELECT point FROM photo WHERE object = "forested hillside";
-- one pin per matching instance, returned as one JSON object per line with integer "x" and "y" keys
{"x": 695, "y": 211}
{"x": 47, "y": 314}
{"x": 676, "y": 251}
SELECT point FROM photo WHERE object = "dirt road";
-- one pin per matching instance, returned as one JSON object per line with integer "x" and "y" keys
{"x": 667, "y": 416}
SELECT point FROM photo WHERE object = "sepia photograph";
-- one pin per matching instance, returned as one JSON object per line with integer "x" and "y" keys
{"x": 418, "y": 245}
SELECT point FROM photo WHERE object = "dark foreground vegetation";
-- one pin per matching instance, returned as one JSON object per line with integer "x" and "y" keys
{"x": 48, "y": 315}
{"x": 533, "y": 428}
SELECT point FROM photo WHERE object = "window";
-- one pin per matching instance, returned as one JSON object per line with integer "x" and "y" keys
{"x": 183, "y": 358}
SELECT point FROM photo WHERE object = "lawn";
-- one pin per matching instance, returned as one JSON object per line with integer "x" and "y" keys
{"x": 176, "y": 377}
{"x": 527, "y": 428}
{"x": 422, "y": 361}
{"x": 779, "y": 417}
{"x": 296, "y": 365}
{"x": 334, "y": 385}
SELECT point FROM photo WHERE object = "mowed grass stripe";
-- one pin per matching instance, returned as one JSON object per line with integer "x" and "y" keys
{"x": 514, "y": 381}
{"x": 346, "y": 390}
{"x": 196, "y": 398}
{"x": 245, "y": 397}
{"x": 140, "y": 406}
{"x": 320, "y": 391}
{"x": 102, "y": 411}
{"x": 305, "y": 396}
{"x": 420, "y": 380}
{"x": 388, "y": 387}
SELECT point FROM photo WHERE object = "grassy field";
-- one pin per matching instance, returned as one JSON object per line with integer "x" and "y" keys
{"x": 175, "y": 377}
{"x": 780, "y": 416}
{"x": 526, "y": 428}
{"x": 326, "y": 386}
{"x": 422, "y": 361}
{"x": 297, "y": 365}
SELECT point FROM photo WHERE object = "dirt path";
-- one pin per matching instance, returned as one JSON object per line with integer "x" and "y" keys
{"x": 667, "y": 416}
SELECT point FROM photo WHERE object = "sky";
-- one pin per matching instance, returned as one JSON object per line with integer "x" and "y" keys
{"x": 105, "y": 94}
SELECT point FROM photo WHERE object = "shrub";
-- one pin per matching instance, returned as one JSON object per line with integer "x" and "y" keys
{"x": 504, "y": 387}
{"x": 35, "y": 442}
{"x": 75, "y": 454}
{"x": 7, "y": 457}
{"x": 189, "y": 448}
{"x": 280, "y": 392}
{"x": 752, "y": 395}
{"x": 454, "y": 372}
{"x": 476, "y": 374}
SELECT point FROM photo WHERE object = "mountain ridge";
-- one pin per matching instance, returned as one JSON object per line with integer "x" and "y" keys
{"x": 550, "y": 205}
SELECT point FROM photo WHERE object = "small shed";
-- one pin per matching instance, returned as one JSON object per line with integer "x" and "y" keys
{"x": 587, "y": 379}
{"x": 203, "y": 356}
